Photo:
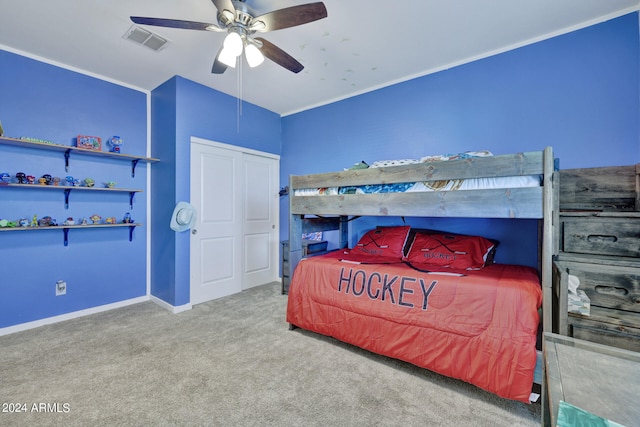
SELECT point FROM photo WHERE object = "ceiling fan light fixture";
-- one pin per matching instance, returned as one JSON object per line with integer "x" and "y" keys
{"x": 227, "y": 58}
{"x": 253, "y": 55}
{"x": 240, "y": 22}
{"x": 233, "y": 44}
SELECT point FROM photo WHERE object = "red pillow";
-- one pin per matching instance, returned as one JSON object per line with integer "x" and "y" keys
{"x": 450, "y": 250}
{"x": 387, "y": 242}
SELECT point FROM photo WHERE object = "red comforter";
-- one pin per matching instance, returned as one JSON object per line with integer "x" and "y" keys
{"x": 480, "y": 327}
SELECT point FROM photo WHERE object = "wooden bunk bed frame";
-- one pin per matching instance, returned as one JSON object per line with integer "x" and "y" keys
{"x": 333, "y": 212}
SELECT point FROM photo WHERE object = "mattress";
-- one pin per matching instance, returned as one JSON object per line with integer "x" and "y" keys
{"x": 448, "y": 185}
{"x": 477, "y": 326}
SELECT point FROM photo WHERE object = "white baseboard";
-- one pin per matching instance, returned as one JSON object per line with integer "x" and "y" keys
{"x": 68, "y": 316}
{"x": 172, "y": 308}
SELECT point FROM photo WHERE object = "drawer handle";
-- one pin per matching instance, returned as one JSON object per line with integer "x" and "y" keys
{"x": 611, "y": 290}
{"x": 601, "y": 238}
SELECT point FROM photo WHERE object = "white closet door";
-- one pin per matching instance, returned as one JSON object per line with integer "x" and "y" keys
{"x": 234, "y": 245}
{"x": 216, "y": 240}
{"x": 260, "y": 229}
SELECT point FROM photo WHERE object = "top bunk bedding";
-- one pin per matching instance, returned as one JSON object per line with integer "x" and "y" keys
{"x": 437, "y": 185}
{"x": 444, "y": 185}
{"x": 465, "y": 185}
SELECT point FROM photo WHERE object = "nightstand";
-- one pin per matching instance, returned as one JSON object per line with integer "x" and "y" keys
{"x": 309, "y": 247}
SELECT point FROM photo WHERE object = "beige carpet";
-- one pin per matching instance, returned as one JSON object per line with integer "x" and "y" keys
{"x": 229, "y": 362}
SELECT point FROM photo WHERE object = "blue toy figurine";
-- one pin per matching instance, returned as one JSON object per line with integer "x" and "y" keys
{"x": 115, "y": 142}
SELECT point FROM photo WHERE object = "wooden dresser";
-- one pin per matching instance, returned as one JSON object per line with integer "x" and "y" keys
{"x": 599, "y": 244}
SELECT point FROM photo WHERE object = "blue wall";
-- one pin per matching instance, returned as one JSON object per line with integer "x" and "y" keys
{"x": 182, "y": 109}
{"x": 100, "y": 266}
{"x": 578, "y": 93}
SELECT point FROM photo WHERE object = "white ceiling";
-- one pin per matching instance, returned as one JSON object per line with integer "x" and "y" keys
{"x": 361, "y": 45}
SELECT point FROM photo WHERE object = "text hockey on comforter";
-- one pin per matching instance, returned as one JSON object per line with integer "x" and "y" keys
{"x": 480, "y": 327}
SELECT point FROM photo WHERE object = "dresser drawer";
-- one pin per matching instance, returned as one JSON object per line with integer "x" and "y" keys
{"x": 608, "y": 286}
{"x": 601, "y": 236}
{"x": 616, "y": 335}
{"x": 313, "y": 247}
{"x": 286, "y": 282}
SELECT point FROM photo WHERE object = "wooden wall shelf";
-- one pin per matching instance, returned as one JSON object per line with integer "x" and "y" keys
{"x": 66, "y": 228}
{"x": 67, "y": 150}
{"x": 67, "y": 190}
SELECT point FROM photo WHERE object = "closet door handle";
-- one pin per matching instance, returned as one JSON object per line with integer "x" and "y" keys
{"x": 194, "y": 231}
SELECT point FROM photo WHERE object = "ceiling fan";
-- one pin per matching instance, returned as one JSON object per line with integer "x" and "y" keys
{"x": 240, "y": 23}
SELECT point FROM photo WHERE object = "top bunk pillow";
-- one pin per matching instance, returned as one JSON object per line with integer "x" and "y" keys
{"x": 385, "y": 242}
{"x": 451, "y": 250}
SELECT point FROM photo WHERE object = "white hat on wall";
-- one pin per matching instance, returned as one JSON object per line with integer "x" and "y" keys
{"x": 184, "y": 217}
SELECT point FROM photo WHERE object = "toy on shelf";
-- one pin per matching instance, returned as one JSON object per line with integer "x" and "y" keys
{"x": 127, "y": 219}
{"x": 21, "y": 177}
{"x": 5, "y": 177}
{"x": 23, "y": 222}
{"x": 42, "y": 141}
{"x": 110, "y": 220}
{"x": 42, "y": 181}
{"x": 115, "y": 142}
{"x": 89, "y": 182}
{"x": 46, "y": 221}
{"x": 31, "y": 179}
{"x": 110, "y": 184}
{"x": 56, "y": 181}
{"x": 34, "y": 221}
{"x": 95, "y": 218}
{"x": 89, "y": 142}
{"x": 69, "y": 221}
{"x": 47, "y": 178}
{"x": 5, "y": 223}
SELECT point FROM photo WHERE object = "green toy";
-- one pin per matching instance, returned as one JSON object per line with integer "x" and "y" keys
{"x": 7, "y": 224}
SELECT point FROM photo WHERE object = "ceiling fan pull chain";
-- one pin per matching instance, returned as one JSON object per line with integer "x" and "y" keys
{"x": 239, "y": 97}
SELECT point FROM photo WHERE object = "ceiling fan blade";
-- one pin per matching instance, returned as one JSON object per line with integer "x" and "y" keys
{"x": 279, "y": 56}
{"x": 289, "y": 17}
{"x": 218, "y": 67}
{"x": 176, "y": 23}
{"x": 223, "y": 5}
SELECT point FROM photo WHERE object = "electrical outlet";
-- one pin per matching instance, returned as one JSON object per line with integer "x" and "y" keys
{"x": 61, "y": 287}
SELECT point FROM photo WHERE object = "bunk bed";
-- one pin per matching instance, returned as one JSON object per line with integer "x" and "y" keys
{"x": 420, "y": 323}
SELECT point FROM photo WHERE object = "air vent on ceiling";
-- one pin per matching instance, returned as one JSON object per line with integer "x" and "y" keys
{"x": 144, "y": 37}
